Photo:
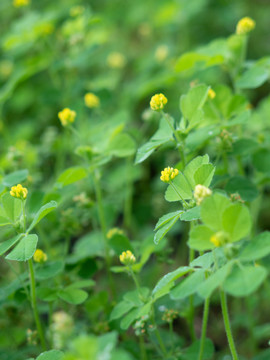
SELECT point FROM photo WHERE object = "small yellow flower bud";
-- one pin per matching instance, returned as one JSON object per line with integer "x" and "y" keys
{"x": 220, "y": 238}
{"x": 114, "y": 231}
{"x": 127, "y": 258}
{"x": 19, "y": 192}
{"x": 158, "y": 102}
{"x": 20, "y": 3}
{"x": 168, "y": 174}
{"x": 245, "y": 25}
{"x": 67, "y": 116}
{"x": 91, "y": 100}
{"x": 200, "y": 193}
{"x": 116, "y": 60}
{"x": 40, "y": 256}
{"x": 211, "y": 94}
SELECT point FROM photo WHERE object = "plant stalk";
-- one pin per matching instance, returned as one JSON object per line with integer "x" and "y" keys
{"x": 204, "y": 327}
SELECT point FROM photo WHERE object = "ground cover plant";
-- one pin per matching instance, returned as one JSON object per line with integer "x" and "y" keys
{"x": 134, "y": 180}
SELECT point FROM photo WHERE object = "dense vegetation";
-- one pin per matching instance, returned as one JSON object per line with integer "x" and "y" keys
{"x": 134, "y": 180}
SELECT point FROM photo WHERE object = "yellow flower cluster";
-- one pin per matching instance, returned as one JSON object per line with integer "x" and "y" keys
{"x": 91, "y": 100}
{"x": 158, "y": 102}
{"x": 67, "y": 116}
{"x": 211, "y": 94}
{"x": 114, "y": 231}
{"x": 20, "y": 3}
{"x": 116, "y": 60}
{"x": 40, "y": 256}
{"x": 127, "y": 258}
{"x": 245, "y": 25}
{"x": 200, "y": 193}
{"x": 168, "y": 174}
{"x": 19, "y": 192}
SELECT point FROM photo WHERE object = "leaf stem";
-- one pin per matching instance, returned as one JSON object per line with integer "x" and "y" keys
{"x": 34, "y": 304}
{"x": 204, "y": 326}
{"x": 226, "y": 319}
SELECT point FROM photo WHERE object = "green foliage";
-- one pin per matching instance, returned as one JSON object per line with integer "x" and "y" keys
{"x": 25, "y": 249}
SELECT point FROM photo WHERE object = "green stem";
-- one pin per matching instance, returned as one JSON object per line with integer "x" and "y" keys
{"x": 191, "y": 303}
{"x": 225, "y": 162}
{"x": 34, "y": 304}
{"x": 204, "y": 327}
{"x": 142, "y": 348}
{"x": 158, "y": 336}
{"x": 103, "y": 226}
{"x": 224, "y": 307}
{"x": 128, "y": 198}
{"x": 174, "y": 188}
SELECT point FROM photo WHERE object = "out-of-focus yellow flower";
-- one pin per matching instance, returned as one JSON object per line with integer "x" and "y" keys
{"x": 219, "y": 239}
{"x": 168, "y": 174}
{"x": 158, "y": 102}
{"x": 76, "y": 10}
{"x": 67, "y": 116}
{"x": 200, "y": 193}
{"x": 114, "y": 231}
{"x": 19, "y": 192}
{"x": 127, "y": 258}
{"x": 215, "y": 240}
{"x": 211, "y": 94}
{"x": 116, "y": 60}
{"x": 21, "y": 3}
{"x": 40, "y": 256}
{"x": 161, "y": 53}
{"x": 245, "y": 25}
{"x": 91, "y": 100}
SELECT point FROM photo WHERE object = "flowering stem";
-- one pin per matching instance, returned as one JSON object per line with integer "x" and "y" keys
{"x": 174, "y": 188}
{"x": 142, "y": 347}
{"x": 191, "y": 301}
{"x": 34, "y": 304}
{"x": 204, "y": 327}
{"x": 157, "y": 333}
{"x": 224, "y": 307}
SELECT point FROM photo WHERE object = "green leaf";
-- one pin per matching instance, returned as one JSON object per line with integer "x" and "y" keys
{"x": 25, "y": 249}
{"x": 166, "y": 282}
{"x": 252, "y": 78}
{"x": 6, "y": 245}
{"x": 73, "y": 296}
{"x": 244, "y": 280}
{"x": 199, "y": 238}
{"x": 159, "y": 235}
{"x": 204, "y": 261}
{"x": 181, "y": 189}
{"x": 188, "y": 286}
{"x": 51, "y": 355}
{"x": 129, "y": 318}
{"x": 212, "y": 210}
{"x": 244, "y": 146}
{"x": 243, "y": 186}
{"x": 49, "y": 270}
{"x": 12, "y": 206}
{"x": 191, "y": 214}
{"x": 71, "y": 175}
{"x": 193, "y": 100}
{"x": 120, "y": 309}
{"x": 43, "y": 211}
{"x": 215, "y": 280}
{"x": 261, "y": 160}
{"x": 135, "y": 298}
{"x": 3, "y": 218}
{"x": 236, "y": 221}
{"x": 257, "y": 248}
{"x": 120, "y": 243}
{"x": 166, "y": 218}
{"x": 192, "y": 167}
{"x": 15, "y": 178}
{"x": 121, "y": 145}
{"x": 192, "y": 352}
{"x": 47, "y": 294}
{"x": 82, "y": 284}
{"x": 204, "y": 174}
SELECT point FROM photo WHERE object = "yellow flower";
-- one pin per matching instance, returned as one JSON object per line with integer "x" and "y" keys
{"x": 211, "y": 94}
{"x": 91, "y": 100}
{"x": 200, "y": 193}
{"x": 67, "y": 116}
{"x": 116, "y": 60}
{"x": 220, "y": 238}
{"x": 20, "y": 3}
{"x": 158, "y": 102}
{"x": 114, "y": 231}
{"x": 245, "y": 25}
{"x": 40, "y": 256}
{"x": 215, "y": 240}
{"x": 127, "y": 258}
{"x": 19, "y": 192}
{"x": 168, "y": 174}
